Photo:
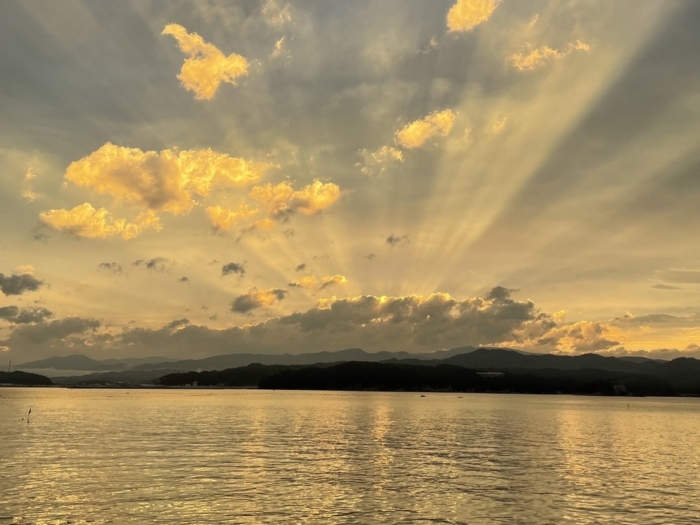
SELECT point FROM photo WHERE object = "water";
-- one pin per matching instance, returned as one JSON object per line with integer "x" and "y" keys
{"x": 239, "y": 456}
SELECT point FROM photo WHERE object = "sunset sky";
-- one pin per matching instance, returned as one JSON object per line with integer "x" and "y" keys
{"x": 193, "y": 178}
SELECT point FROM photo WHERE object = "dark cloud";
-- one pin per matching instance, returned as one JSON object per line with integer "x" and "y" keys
{"x": 289, "y": 232}
{"x": 256, "y": 299}
{"x": 157, "y": 264}
{"x": 369, "y": 256}
{"x": 300, "y": 267}
{"x": 184, "y": 279}
{"x": 41, "y": 333}
{"x": 177, "y": 323}
{"x": 19, "y": 284}
{"x": 499, "y": 293}
{"x": 9, "y": 312}
{"x": 111, "y": 267}
{"x": 394, "y": 240}
{"x": 232, "y": 267}
{"x": 35, "y": 314}
{"x": 665, "y": 287}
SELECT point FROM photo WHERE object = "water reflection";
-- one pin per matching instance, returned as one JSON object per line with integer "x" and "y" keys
{"x": 297, "y": 457}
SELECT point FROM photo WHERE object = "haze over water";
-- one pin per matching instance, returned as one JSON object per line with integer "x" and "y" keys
{"x": 245, "y": 456}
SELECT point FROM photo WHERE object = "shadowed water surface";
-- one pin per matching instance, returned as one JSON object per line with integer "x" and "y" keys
{"x": 238, "y": 456}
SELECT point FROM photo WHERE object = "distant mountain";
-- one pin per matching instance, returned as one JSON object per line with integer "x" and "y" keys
{"x": 128, "y": 377}
{"x": 222, "y": 362}
{"x": 70, "y": 362}
{"x": 83, "y": 362}
{"x": 23, "y": 378}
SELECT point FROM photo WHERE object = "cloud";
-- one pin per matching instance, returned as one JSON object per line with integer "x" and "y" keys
{"x": 465, "y": 15}
{"x": 169, "y": 180}
{"x": 376, "y": 162}
{"x": 280, "y": 51}
{"x": 276, "y": 15}
{"x": 183, "y": 279}
{"x": 206, "y": 66}
{"x": 157, "y": 264}
{"x": 19, "y": 284}
{"x": 300, "y": 267}
{"x": 332, "y": 280}
{"x": 256, "y": 299}
{"x": 40, "y": 333}
{"x": 665, "y": 287}
{"x": 86, "y": 221}
{"x": 370, "y": 256}
{"x": 304, "y": 282}
{"x": 394, "y": 240}
{"x": 281, "y": 200}
{"x": 232, "y": 267}
{"x": 177, "y": 323}
{"x": 15, "y": 315}
{"x": 111, "y": 267}
{"x": 223, "y": 219}
{"x": 417, "y": 133}
{"x": 534, "y": 58}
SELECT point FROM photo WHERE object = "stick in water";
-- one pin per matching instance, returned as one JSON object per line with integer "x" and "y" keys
{"x": 30, "y": 413}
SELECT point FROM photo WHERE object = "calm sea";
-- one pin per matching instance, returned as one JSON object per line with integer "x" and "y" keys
{"x": 244, "y": 456}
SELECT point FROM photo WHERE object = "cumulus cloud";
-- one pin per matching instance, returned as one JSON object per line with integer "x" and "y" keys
{"x": 169, "y": 180}
{"x": 111, "y": 267}
{"x": 376, "y": 162}
{"x": 19, "y": 284}
{"x": 531, "y": 58}
{"x": 206, "y": 66}
{"x": 184, "y": 279}
{"x": 412, "y": 323}
{"x": 465, "y": 15}
{"x": 300, "y": 267}
{"x": 281, "y": 200}
{"x": 223, "y": 219}
{"x": 418, "y": 132}
{"x": 232, "y": 267}
{"x": 256, "y": 299}
{"x": 86, "y": 221}
{"x": 394, "y": 240}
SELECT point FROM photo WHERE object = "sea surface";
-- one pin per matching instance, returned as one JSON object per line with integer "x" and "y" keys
{"x": 246, "y": 456}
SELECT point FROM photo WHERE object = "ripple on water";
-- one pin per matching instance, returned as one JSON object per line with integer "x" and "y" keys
{"x": 181, "y": 457}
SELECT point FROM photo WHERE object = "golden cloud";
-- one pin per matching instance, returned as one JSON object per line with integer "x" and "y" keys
{"x": 417, "y": 133}
{"x": 465, "y": 15}
{"x": 166, "y": 180}
{"x": 86, "y": 221}
{"x": 331, "y": 280}
{"x": 281, "y": 200}
{"x": 530, "y": 59}
{"x": 222, "y": 218}
{"x": 304, "y": 282}
{"x": 206, "y": 66}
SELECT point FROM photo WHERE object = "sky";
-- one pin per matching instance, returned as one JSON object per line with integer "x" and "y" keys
{"x": 194, "y": 178}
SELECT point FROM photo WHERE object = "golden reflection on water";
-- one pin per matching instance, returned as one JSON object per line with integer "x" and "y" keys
{"x": 135, "y": 457}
